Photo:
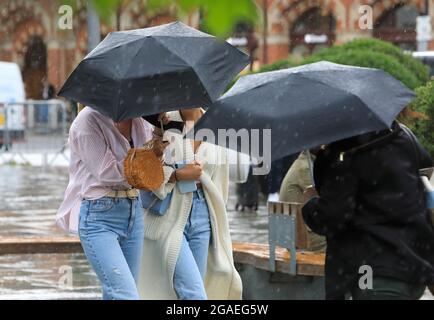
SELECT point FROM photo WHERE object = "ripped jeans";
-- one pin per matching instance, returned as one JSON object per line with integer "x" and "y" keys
{"x": 111, "y": 232}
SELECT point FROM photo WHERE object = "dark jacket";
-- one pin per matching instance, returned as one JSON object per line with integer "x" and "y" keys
{"x": 371, "y": 207}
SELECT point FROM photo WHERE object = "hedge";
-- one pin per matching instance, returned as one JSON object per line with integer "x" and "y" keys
{"x": 370, "y": 53}
{"x": 281, "y": 64}
{"x": 413, "y": 65}
{"x": 424, "y": 128}
{"x": 370, "y": 59}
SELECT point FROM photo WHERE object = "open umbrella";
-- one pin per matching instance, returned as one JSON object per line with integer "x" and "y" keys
{"x": 308, "y": 106}
{"x": 148, "y": 71}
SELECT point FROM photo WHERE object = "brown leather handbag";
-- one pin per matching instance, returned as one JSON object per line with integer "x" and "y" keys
{"x": 142, "y": 168}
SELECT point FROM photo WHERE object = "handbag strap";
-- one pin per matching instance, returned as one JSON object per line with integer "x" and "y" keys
{"x": 133, "y": 154}
{"x": 413, "y": 144}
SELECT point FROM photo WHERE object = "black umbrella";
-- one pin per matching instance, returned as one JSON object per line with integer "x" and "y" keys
{"x": 308, "y": 106}
{"x": 148, "y": 71}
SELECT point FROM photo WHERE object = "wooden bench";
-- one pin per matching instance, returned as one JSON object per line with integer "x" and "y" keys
{"x": 257, "y": 255}
{"x": 35, "y": 245}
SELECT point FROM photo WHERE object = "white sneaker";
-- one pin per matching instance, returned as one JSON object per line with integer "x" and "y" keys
{"x": 273, "y": 197}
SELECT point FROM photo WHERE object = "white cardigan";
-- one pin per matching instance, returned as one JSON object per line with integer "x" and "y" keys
{"x": 163, "y": 234}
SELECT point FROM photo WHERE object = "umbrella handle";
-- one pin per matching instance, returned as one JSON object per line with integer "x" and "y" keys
{"x": 161, "y": 127}
{"x": 309, "y": 161}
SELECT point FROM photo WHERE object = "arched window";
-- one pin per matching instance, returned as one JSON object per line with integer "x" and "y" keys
{"x": 398, "y": 25}
{"x": 313, "y": 30}
{"x": 35, "y": 67}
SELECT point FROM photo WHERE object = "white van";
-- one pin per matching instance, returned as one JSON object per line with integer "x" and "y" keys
{"x": 11, "y": 91}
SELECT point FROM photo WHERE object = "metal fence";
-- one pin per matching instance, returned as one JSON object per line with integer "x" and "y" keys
{"x": 282, "y": 232}
{"x": 33, "y": 128}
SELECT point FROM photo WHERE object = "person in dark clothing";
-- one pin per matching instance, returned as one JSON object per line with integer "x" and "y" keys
{"x": 371, "y": 208}
{"x": 48, "y": 93}
{"x": 276, "y": 175}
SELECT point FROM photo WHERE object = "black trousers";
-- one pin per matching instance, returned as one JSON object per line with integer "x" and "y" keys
{"x": 389, "y": 289}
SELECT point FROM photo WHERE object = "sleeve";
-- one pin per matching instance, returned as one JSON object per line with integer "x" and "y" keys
{"x": 296, "y": 181}
{"x": 333, "y": 211}
{"x": 220, "y": 177}
{"x": 425, "y": 159}
{"x": 291, "y": 193}
{"x": 166, "y": 187}
{"x": 100, "y": 160}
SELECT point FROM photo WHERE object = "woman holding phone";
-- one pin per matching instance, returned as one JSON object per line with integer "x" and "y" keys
{"x": 188, "y": 250}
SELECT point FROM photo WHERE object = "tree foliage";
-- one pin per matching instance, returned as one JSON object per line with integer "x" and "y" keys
{"x": 419, "y": 70}
{"x": 424, "y": 127}
{"x": 370, "y": 53}
{"x": 219, "y": 16}
{"x": 369, "y": 59}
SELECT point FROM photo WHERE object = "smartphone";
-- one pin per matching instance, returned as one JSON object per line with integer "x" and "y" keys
{"x": 185, "y": 186}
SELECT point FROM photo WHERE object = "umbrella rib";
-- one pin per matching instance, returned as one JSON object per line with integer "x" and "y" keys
{"x": 141, "y": 47}
{"x": 192, "y": 66}
{"x": 246, "y": 78}
{"x": 229, "y": 94}
{"x": 133, "y": 58}
{"x": 168, "y": 49}
{"x": 120, "y": 79}
{"x": 303, "y": 76}
{"x": 90, "y": 55}
{"x": 342, "y": 90}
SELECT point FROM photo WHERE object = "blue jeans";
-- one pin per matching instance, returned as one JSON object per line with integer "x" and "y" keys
{"x": 111, "y": 232}
{"x": 190, "y": 268}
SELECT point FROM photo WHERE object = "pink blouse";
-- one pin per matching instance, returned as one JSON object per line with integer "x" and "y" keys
{"x": 96, "y": 167}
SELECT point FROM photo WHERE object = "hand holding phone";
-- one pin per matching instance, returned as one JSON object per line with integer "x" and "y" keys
{"x": 191, "y": 171}
{"x": 187, "y": 175}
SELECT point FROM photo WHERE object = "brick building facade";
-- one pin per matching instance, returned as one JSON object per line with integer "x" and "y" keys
{"x": 289, "y": 21}
{"x": 30, "y": 36}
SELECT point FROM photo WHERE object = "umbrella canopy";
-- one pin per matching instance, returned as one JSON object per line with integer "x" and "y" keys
{"x": 148, "y": 71}
{"x": 308, "y": 106}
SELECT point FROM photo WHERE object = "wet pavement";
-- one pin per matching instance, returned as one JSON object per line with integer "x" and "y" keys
{"x": 29, "y": 198}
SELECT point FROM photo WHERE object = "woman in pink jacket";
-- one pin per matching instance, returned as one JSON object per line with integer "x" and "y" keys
{"x": 99, "y": 203}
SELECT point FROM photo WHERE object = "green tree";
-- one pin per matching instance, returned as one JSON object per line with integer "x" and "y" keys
{"x": 370, "y": 53}
{"x": 413, "y": 65}
{"x": 219, "y": 16}
{"x": 369, "y": 59}
{"x": 423, "y": 127}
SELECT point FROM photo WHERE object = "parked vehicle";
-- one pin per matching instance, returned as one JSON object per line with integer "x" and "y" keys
{"x": 11, "y": 91}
